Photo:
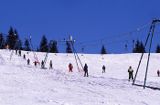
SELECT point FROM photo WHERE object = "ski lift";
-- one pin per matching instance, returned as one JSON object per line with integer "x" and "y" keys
{"x": 35, "y": 56}
{"x": 46, "y": 56}
{"x": 71, "y": 41}
{"x": 70, "y": 38}
{"x": 149, "y": 38}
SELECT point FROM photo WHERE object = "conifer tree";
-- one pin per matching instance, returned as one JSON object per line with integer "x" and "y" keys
{"x": 27, "y": 45}
{"x": 53, "y": 47}
{"x": 44, "y": 44}
{"x": 142, "y": 48}
{"x": 19, "y": 45}
{"x": 136, "y": 48}
{"x": 38, "y": 50}
{"x": 12, "y": 38}
{"x": 18, "y": 41}
{"x": 139, "y": 47}
{"x": 68, "y": 49}
{"x": 2, "y": 41}
{"x": 158, "y": 49}
{"x": 103, "y": 50}
{"x": 16, "y": 34}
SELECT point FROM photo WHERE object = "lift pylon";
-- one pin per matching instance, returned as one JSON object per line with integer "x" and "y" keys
{"x": 149, "y": 36}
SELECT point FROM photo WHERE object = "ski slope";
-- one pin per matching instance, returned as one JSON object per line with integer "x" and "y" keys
{"x": 21, "y": 84}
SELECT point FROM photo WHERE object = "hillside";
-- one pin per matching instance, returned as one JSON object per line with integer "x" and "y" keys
{"x": 21, "y": 84}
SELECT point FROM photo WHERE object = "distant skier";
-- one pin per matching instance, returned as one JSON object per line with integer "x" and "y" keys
{"x": 130, "y": 71}
{"x": 28, "y": 61}
{"x": 35, "y": 63}
{"x": 158, "y": 73}
{"x": 50, "y": 65}
{"x": 70, "y": 66}
{"x": 42, "y": 64}
{"x": 103, "y": 69}
{"x": 24, "y": 56}
{"x": 19, "y": 52}
{"x": 85, "y": 70}
{"x": 16, "y": 51}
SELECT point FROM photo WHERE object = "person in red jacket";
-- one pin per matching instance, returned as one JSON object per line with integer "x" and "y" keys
{"x": 70, "y": 66}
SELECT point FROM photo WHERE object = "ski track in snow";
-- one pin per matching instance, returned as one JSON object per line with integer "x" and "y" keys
{"x": 28, "y": 85}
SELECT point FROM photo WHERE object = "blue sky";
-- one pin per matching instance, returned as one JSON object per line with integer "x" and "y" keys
{"x": 90, "y": 22}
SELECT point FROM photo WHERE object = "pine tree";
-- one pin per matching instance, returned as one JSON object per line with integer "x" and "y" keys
{"x": 139, "y": 47}
{"x": 53, "y": 47}
{"x": 19, "y": 46}
{"x": 68, "y": 49}
{"x": 16, "y": 34}
{"x": 136, "y": 48}
{"x": 38, "y": 50}
{"x": 103, "y": 50}
{"x": 2, "y": 41}
{"x": 158, "y": 49}
{"x": 142, "y": 48}
{"x": 12, "y": 38}
{"x": 18, "y": 42}
{"x": 27, "y": 45}
{"x": 43, "y": 44}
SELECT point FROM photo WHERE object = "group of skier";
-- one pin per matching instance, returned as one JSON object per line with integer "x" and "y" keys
{"x": 85, "y": 68}
{"x": 43, "y": 64}
{"x": 19, "y": 52}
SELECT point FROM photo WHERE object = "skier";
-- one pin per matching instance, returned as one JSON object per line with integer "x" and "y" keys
{"x": 35, "y": 63}
{"x": 103, "y": 69}
{"x": 24, "y": 56}
{"x": 130, "y": 71}
{"x": 50, "y": 64}
{"x": 70, "y": 66}
{"x": 16, "y": 51}
{"x": 28, "y": 61}
{"x": 42, "y": 64}
{"x": 19, "y": 52}
{"x": 85, "y": 70}
{"x": 158, "y": 73}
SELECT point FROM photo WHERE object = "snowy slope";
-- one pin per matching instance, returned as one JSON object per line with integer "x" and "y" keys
{"x": 28, "y": 85}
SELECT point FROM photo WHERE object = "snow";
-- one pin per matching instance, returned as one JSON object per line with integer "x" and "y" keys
{"x": 21, "y": 84}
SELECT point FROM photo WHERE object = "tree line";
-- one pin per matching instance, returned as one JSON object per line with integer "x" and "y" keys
{"x": 138, "y": 48}
{"x": 13, "y": 41}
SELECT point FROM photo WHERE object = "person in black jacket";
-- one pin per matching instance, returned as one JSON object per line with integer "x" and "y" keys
{"x": 50, "y": 65}
{"x": 24, "y": 56}
{"x": 130, "y": 71}
{"x": 85, "y": 70}
{"x": 103, "y": 69}
{"x": 16, "y": 51}
{"x": 42, "y": 64}
{"x": 28, "y": 61}
{"x": 158, "y": 73}
{"x": 19, "y": 52}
